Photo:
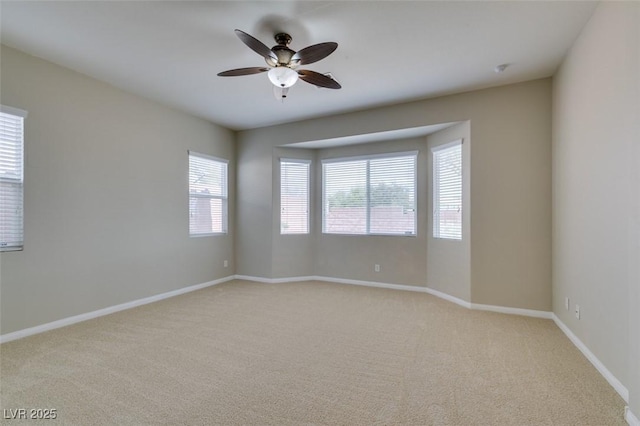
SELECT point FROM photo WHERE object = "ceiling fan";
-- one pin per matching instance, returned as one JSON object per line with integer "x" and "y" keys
{"x": 283, "y": 63}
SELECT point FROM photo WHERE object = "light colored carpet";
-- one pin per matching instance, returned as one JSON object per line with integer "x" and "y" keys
{"x": 307, "y": 353}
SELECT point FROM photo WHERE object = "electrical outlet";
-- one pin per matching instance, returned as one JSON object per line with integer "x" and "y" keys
{"x": 566, "y": 303}
{"x": 376, "y": 267}
{"x": 225, "y": 263}
{"x": 578, "y": 311}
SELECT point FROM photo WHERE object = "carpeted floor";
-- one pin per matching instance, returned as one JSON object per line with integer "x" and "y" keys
{"x": 306, "y": 353}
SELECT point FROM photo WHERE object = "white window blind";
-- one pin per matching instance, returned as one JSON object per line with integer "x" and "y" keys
{"x": 447, "y": 191}
{"x": 370, "y": 195}
{"x": 11, "y": 178}
{"x": 208, "y": 206}
{"x": 294, "y": 196}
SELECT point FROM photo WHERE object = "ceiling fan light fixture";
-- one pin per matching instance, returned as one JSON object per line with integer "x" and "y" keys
{"x": 282, "y": 76}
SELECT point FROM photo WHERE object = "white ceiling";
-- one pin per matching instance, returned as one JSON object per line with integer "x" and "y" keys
{"x": 388, "y": 52}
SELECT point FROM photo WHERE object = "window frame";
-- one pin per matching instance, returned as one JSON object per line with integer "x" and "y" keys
{"x": 435, "y": 222}
{"x": 17, "y": 179}
{"x": 368, "y": 158}
{"x": 224, "y": 197}
{"x": 308, "y": 192}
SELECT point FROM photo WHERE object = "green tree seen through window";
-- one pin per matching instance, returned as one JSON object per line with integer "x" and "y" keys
{"x": 381, "y": 195}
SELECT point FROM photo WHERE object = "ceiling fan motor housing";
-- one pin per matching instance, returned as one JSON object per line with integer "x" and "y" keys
{"x": 284, "y": 55}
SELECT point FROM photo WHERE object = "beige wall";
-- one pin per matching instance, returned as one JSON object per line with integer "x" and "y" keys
{"x": 596, "y": 254}
{"x": 254, "y": 189}
{"x": 106, "y": 197}
{"x": 510, "y": 185}
{"x": 449, "y": 261}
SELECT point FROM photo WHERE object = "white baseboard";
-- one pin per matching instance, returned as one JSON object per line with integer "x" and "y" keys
{"x": 273, "y": 280}
{"x": 356, "y": 282}
{"x": 371, "y": 284}
{"x": 609, "y": 377}
{"x": 441, "y": 295}
{"x": 256, "y": 279}
{"x": 449, "y": 298}
{"x": 106, "y": 311}
{"x": 513, "y": 311}
{"x": 631, "y": 418}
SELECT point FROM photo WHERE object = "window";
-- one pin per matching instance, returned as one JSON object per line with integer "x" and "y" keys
{"x": 11, "y": 178}
{"x": 294, "y": 196}
{"x": 370, "y": 195}
{"x": 207, "y": 195}
{"x": 447, "y": 191}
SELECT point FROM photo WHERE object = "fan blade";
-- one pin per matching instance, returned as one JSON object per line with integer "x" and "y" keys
{"x": 256, "y": 45}
{"x": 314, "y": 53}
{"x": 242, "y": 71}
{"x": 318, "y": 79}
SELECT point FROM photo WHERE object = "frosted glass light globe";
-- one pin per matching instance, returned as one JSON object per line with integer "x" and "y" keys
{"x": 282, "y": 76}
